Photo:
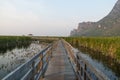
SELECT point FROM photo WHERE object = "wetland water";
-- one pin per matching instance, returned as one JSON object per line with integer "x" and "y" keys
{"x": 14, "y": 58}
{"x": 105, "y": 64}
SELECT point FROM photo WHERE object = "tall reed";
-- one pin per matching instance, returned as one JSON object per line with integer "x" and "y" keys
{"x": 109, "y": 46}
{"x": 10, "y": 42}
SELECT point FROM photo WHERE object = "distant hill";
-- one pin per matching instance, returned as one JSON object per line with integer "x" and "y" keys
{"x": 108, "y": 26}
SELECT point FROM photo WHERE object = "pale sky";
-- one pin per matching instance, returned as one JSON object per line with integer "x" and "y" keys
{"x": 49, "y": 17}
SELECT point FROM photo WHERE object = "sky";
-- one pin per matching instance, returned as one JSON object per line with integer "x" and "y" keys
{"x": 49, "y": 17}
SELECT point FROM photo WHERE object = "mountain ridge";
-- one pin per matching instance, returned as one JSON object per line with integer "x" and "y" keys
{"x": 108, "y": 26}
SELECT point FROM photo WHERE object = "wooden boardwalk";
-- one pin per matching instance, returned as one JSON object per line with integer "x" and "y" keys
{"x": 59, "y": 67}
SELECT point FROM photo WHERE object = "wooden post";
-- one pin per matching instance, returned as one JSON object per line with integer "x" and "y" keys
{"x": 51, "y": 51}
{"x": 39, "y": 65}
{"x": 48, "y": 54}
{"x": 85, "y": 67}
{"x": 33, "y": 70}
{"x": 77, "y": 68}
{"x": 42, "y": 66}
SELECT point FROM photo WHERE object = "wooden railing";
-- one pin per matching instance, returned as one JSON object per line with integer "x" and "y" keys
{"x": 82, "y": 68}
{"x": 33, "y": 69}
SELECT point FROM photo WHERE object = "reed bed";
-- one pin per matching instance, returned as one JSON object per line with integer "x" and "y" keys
{"x": 108, "y": 46}
{"x": 10, "y": 42}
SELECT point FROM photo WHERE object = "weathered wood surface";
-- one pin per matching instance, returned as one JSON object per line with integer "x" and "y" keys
{"x": 59, "y": 67}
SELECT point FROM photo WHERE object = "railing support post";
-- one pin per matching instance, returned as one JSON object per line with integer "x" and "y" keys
{"x": 85, "y": 67}
{"x": 33, "y": 70}
{"x": 77, "y": 68}
{"x": 42, "y": 66}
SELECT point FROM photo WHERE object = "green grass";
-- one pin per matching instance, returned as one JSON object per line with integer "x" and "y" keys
{"x": 10, "y": 42}
{"x": 109, "y": 46}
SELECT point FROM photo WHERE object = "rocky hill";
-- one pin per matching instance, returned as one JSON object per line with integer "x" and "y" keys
{"x": 108, "y": 26}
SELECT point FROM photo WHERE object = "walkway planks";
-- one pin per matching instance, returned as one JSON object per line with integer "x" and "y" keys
{"x": 59, "y": 67}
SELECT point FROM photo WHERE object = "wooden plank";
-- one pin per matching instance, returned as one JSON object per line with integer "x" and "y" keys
{"x": 59, "y": 67}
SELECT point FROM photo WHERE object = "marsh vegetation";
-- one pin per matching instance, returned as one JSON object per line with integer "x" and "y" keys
{"x": 11, "y": 42}
{"x": 105, "y": 50}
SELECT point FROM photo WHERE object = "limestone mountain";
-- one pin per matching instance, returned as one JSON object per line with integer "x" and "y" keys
{"x": 108, "y": 26}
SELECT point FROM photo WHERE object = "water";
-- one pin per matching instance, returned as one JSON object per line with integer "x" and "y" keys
{"x": 14, "y": 58}
{"x": 101, "y": 65}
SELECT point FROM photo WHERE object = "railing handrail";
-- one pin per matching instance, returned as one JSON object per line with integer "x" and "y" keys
{"x": 78, "y": 62}
{"x": 15, "y": 75}
{"x": 97, "y": 72}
